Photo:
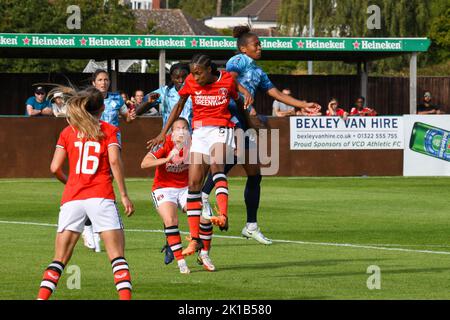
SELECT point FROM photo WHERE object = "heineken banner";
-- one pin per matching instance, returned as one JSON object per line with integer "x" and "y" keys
{"x": 209, "y": 42}
{"x": 427, "y": 145}
{"x": 354, "y": 133}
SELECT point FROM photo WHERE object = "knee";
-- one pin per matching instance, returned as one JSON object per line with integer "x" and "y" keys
{"x": 171, "y": 221}
{"x": 195, "y": 185}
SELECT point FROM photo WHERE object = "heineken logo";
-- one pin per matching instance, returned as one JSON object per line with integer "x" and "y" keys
{"x": 377, "y": 45}
{"x": 210, "y": 43}
{"x": 321, "y": 44}
{"x": 8, "y": 41}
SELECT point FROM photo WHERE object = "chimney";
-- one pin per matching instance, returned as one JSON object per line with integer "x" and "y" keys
{"x": 156, "y": 4}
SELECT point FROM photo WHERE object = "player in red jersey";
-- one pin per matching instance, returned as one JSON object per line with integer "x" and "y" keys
{"x": 93, "y": 151}
{"x": 212, "y": 139}
{"x": 170, "y": 190}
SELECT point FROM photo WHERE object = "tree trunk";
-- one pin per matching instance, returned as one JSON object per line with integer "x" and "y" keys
{"x": 219, "y": 8}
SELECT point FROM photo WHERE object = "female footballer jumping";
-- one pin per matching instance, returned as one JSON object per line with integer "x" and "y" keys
{"x": 244, "y": 69}
{"x": 210, "y": 91}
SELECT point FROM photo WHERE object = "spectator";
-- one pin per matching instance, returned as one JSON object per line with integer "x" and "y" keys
{"x": 334, "y": 110}
{"x": 360, "y": 110}
{"x": 280, "y": 109}
{"x": 38, "y": 105}
{"x": 139, "y": 101}
{"x": 59, "y": 107}
{"x": 426, "y": 107}
{"x": 128, "y": 102}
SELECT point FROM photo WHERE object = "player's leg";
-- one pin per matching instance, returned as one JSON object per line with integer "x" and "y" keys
{"x": 252, "y": 194}
{"x": 197, "y": 171}
{"x": 218, "y": 159}
{"x": 114, "y": 241}
{"x": 207, "y": 212}
{"x": 88, "y": 235}
{"x": 64, "y": 244}
{"x": 70, "y": 224}
{"x": 106, "y": 221}
{"x": 206, "y": 233}
{"x": 167, "y": 209}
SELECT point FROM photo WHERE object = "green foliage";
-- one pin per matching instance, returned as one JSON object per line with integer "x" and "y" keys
{"x": 440, "y": 35}
{"x": 42, "y": 16}
{"x": 347, "y": 18}
{"x": 198, "y": 9}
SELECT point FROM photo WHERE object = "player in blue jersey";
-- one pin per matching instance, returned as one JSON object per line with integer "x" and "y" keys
{"x": 114, "y": 106}
{"x": 167, "y": 96}
{"x": 244, "y": 69}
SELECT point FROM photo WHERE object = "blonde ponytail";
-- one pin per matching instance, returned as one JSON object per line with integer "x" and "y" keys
{"x": 82, "y": 109}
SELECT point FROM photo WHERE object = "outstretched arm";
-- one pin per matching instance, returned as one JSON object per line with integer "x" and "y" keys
{"x": 280, "y": 96}
{"x": 145, "y": 106}
{"x": 176, "y": 111}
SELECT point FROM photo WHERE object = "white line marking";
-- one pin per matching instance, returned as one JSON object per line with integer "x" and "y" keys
{"x": 347, "y": 245}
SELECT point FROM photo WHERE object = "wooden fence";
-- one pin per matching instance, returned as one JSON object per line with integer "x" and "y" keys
{"x": 389, "y": 95}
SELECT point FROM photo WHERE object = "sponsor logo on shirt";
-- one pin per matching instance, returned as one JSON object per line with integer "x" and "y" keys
{"x": 210, "y": 101}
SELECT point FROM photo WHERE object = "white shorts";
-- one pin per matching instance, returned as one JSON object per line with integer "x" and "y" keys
{"x": 177, "y": 196}
{"x": 204, "y": 138}
{"x": 103, "y": 214}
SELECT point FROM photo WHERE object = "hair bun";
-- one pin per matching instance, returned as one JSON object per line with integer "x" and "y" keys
{"x": 238, "y": 31}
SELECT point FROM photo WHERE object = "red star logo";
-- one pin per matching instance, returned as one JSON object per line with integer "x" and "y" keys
{"x": 300, "y": 44}
{"x": 83, "y": 41}
{"x": 26, "y": 41}
{"x": 356, "y": 45}
{"x": 139, "y": 42}
{"x": 193, "y": 42}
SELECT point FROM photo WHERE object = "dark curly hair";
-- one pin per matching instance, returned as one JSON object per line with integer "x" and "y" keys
{"x": 242, "y": 34}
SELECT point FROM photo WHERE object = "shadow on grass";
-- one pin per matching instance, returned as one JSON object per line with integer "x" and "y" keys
{"x": 383, "y": 271}
{"x": 278, "y": 265}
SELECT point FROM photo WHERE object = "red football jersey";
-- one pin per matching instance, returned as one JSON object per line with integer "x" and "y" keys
{"x": 170, "y": 175}
{"x": 339, "y": 112}
{"x": 364, "y": 112}
{"x": 89, "y": 169}
{"x": 210, "y": 102}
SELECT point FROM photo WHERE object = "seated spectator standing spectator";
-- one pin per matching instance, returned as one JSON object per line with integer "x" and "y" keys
{"x": 360, "y": 110}
{"x": 38, "y": 105}
{"x": 280, "y": 109}
{"x": 426, "y": 107}
{"x": 334, "y": 110}
{"x": 58, "y": 105}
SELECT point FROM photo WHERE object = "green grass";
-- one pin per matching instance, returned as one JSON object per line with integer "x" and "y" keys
{"x": 405, "y": 213}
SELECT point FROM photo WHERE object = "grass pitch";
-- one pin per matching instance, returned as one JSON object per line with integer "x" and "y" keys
{"x": 332, "y": 230}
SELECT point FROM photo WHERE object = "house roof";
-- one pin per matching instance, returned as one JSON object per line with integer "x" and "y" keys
{"x": 172, "y": 22}
{"x": 265, "y": 10}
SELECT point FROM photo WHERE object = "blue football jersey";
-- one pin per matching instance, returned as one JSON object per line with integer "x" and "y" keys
{"x": 251, "y": 77}
{"x": 113, "y": 104}
{"x": 168, "y": 98}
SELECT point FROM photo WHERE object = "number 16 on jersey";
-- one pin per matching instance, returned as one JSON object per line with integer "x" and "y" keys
{"x": 87, "y": 164}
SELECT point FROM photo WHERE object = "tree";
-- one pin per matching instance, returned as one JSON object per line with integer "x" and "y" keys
{"x": 43, "y": 16}
{"x": 199, "y": 9}
{"x": 347, "y": 18}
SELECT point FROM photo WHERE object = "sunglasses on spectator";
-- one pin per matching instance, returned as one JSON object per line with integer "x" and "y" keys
{"x": 40, "y": 93}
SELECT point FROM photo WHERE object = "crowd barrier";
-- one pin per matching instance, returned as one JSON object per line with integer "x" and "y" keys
{"x": 28, "y": 144}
